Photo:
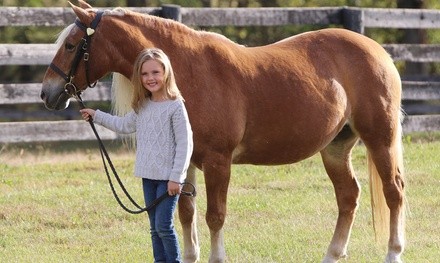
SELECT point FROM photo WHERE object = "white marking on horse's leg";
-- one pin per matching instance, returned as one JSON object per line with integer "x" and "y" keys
{"x": 188, "y": 219}
{"x": 338, "y": 246}
{"x": 191, "y": 251}
{"x": 393, "y": 258}
{"x": 334, "y": 254}
{"x": 397, "y": 241}
{"x": 218, "y": 252}
{"x": 329, "y": 259}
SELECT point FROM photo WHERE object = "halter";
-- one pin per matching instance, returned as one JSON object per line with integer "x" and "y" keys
{"x": 82, "y": 51}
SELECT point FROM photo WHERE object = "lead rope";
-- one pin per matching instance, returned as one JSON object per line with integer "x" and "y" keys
{"x": 105, "y": 156}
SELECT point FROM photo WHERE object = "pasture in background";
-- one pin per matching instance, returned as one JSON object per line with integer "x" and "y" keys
{"x": 56, "y": 206}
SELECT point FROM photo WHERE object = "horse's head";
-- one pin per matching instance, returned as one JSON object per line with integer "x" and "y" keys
{"x": 79, "y": 61}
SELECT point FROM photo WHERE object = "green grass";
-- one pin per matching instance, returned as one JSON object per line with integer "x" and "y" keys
{"x": 56, "y": 206}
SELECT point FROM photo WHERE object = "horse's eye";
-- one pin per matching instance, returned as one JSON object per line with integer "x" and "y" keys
{"x": 69, "y": 47}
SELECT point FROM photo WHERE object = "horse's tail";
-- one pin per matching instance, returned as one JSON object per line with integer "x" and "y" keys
{"x": 379, "y": 208}
{"x": 122, "y": 94}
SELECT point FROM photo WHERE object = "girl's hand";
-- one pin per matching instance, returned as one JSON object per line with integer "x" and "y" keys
{"x": 173, "y": 188}
{"x": 87, "y": 114}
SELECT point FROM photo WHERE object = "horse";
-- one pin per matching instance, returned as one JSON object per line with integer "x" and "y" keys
{"x": 316, "y": 92}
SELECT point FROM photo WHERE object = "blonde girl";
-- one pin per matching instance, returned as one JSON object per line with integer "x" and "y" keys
{"x": 163, "y": 143}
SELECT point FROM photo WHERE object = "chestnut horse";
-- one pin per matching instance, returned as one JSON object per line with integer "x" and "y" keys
{"x": 318, "y": 91}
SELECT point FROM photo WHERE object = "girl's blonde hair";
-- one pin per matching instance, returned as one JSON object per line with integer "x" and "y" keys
{"x": 141, "y": 94}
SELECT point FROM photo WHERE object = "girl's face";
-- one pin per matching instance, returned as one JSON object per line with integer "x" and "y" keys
{"x": 152, "y": 78}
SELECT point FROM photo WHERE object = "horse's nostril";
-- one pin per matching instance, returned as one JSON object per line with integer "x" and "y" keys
{"x": 42, "y": 95}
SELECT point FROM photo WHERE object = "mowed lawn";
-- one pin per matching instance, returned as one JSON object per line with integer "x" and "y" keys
{"x": 56, "y": 206}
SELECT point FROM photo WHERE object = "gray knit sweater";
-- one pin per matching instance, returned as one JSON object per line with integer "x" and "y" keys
{"x": 163, "y": 138}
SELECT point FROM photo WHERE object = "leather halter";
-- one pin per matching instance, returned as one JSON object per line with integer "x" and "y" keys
{"x": 81, "y": 52}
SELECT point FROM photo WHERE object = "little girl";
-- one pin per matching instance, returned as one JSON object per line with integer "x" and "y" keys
{"x": 163, "y": 143}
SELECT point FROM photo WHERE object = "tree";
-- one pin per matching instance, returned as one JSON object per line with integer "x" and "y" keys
{"x": 414, "y": 36}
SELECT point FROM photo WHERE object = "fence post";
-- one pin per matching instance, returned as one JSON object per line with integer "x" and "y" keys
{"x": 171, "y": 12}
{"x": 353, "y": 19}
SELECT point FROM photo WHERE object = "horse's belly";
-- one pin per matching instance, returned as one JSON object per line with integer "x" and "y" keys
{"x": 273, "y": 151}
{"x": 266, "y": 158}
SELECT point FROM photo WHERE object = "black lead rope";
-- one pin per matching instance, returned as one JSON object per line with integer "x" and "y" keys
{"x": 105, "y": 156}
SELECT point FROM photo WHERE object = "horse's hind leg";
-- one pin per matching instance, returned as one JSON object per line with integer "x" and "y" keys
{"x": 188, "y": 219}
{"x": 337, "y": 161}
{"x": 386, "y": 162}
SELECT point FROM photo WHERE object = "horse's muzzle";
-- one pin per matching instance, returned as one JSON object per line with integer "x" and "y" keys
{"x": 54, "y": 98}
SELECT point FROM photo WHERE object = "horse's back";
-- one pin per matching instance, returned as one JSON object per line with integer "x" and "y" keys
{"x": 360, "y": 65}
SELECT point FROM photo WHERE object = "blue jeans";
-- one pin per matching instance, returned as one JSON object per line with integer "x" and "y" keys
{"x": 163, "y": 233}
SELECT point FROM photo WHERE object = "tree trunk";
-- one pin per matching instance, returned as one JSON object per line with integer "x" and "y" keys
{"x": 414, "y": 36}
{"x": 269, "y": 3}
{"x": 206, "y": 3}
{"x": 137, "y": 3}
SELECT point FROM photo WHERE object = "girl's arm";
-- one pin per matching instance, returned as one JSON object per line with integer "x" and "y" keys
{"x": 184, "y": 144}
{"x": 125, "y": 124}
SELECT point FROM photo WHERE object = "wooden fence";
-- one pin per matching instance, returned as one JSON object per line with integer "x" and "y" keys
{"x": 356, "y": 19}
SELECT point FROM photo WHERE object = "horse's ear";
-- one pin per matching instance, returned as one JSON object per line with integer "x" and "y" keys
{"x": 84, "y": 16}
{"x": 83, "y": 4}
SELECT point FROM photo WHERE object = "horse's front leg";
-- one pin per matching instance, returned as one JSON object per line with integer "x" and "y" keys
{"x": 217, "y": 171}
{"x": 188, "y": 219}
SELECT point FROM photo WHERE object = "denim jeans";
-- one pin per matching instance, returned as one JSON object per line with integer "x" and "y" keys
{"x": 163, "y": 233}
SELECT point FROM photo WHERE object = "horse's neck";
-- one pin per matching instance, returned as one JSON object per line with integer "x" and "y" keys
{"x": 166, "y": 34}
{"x": 140, "y": 31}
{"x": 183, "y": 45}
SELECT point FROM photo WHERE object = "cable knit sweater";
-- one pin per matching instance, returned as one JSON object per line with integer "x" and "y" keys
{"x": 163, "y": 138}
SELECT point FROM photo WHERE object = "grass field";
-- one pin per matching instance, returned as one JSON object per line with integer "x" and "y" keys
{"x": 56, "y": 206}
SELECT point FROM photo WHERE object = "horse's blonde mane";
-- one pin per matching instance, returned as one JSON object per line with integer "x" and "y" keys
{"x": 118, "y": 11}
{"x": 62, "y": 36}
{"x": 122, "y": 94}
